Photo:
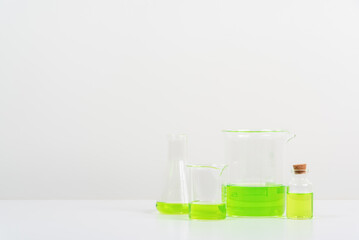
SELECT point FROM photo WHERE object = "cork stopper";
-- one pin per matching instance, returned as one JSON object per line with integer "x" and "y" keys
{"x": 300, "y": 168}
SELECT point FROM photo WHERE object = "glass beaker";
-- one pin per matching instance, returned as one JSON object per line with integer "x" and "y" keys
{"x": 174, "y": 199}
{"x": 206, "y": 186}
{"x": 255, "y": 168}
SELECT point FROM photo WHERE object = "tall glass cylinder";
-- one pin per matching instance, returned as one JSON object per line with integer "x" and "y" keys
{"x": 255, "y": 172}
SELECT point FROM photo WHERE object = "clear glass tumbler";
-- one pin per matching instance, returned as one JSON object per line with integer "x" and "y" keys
{"x": 206, "y": 192}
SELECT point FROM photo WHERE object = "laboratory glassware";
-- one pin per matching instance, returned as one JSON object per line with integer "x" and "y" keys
{"x": 256, "y": 164}
{"x": 174, "y": 198}
{"x": 205, "y": 196}
{"x": 300, "y": 194}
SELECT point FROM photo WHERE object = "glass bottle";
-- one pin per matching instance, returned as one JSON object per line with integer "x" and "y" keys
{"x": 300, "y": 194}
{"x": 174, "y": 199}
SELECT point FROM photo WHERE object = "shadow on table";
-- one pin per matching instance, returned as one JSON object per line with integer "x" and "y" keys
{"x": 235, "y": 228}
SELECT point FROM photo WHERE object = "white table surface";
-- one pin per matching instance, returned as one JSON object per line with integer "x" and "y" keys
{"x": 116, "y": 219}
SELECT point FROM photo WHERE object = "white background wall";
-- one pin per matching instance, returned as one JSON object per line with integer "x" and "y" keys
{"x": 89, "y": 89}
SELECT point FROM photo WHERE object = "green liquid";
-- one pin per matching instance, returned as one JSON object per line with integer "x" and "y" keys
{"x": 255, "y": 200}
{"x": 207, "y": 211}
{"x": 300, "y": 205}
{"x": 172, "y": 208}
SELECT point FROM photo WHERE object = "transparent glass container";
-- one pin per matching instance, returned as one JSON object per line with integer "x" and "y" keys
{"x": 255, "y": 167}
{"x": 174, "y": 198}
{"x": 205, "y": 196}
{"x": 299, "y": 194}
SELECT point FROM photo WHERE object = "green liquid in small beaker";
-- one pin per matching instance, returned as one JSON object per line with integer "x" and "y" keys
{"x": 300, "y": 205}
{"x": 172, "y": 208}
{"x": 207, "y": 210}
{"x": 266, "y": 200}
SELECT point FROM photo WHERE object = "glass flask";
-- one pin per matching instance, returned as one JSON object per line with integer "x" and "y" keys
{"x": 255, "y": 167}
{"x": 300, "y": 194}
{"x": 174, "y": 198}
{"x": 205, "y": 195}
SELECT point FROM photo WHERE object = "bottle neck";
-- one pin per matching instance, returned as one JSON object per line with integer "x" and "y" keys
{"x": 300, "y": 179}
{"x": 300, "y": 176}
{"x": 177, "y": 148}
{"x": 300, "y": 184}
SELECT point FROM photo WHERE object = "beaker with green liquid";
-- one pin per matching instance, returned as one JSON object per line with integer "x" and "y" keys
{"x": 205, "y": 192}
{"x": 174, "y": 198}
{"x": 255, "y": 172}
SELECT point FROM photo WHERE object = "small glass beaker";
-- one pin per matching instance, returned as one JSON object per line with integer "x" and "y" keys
{"x": 174, "y": 199}
{"x": 206, "y": 199}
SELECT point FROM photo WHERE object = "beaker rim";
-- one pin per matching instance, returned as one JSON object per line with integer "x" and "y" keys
{"x": 256, "y": 131}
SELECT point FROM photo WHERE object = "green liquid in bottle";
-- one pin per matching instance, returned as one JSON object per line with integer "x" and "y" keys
{"x": 207, "y": 211}
{"x": 300, "y": 205}
{"x": 266, "y": 200}
{"x": 172, "y": 208}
